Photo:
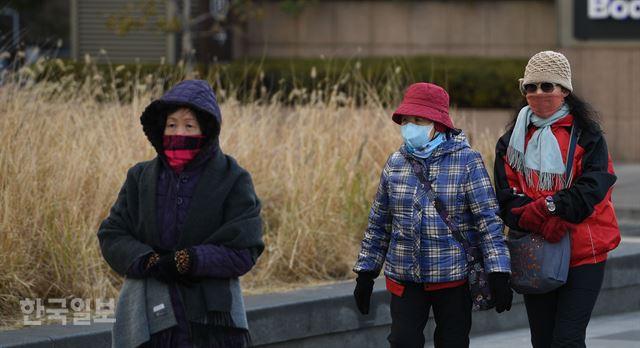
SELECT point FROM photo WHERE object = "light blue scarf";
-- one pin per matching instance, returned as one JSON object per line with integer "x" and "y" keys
{"x": 543, "y": 155}
{"x": 428, "y": 149}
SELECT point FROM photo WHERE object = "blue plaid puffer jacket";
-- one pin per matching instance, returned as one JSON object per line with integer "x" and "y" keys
{"x": 405, "y": 231}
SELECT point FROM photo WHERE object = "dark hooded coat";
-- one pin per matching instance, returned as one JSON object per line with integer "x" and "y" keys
{"x": 212, "y": 202}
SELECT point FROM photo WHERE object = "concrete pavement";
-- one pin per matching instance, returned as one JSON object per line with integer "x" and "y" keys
{"x": 626, "y": 193}
{"x": 326, "y": 316}
{"x": 609, "y": 331}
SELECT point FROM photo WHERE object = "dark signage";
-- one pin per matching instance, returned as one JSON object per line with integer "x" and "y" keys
{"x": 606, "y": 19}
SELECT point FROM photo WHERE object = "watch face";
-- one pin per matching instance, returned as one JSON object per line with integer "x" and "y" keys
{"x": 551, "y": 206}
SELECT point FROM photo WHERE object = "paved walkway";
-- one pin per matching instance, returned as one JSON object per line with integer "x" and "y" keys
{"x": 609, "y": 331}
{"x": 626, "y": 192}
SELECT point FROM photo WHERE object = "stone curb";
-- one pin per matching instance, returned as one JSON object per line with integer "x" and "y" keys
{"x": 326, "y": 316}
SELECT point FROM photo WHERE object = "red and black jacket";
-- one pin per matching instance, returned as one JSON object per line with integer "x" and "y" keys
{"x": 586, "y": 202}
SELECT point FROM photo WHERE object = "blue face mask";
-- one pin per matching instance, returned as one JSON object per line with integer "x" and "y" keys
{"x": 416, "y": 137}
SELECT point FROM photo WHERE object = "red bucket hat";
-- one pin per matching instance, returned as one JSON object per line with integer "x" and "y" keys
{"x": 427, "y": 101}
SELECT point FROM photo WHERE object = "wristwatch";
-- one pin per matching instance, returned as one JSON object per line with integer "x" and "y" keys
{"x": 551, "y": 205}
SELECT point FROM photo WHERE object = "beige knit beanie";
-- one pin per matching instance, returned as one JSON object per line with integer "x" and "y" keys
{"x": 548, "y": 66}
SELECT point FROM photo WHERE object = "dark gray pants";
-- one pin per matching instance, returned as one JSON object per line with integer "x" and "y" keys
{"x": 560, "y": 318}
{"x": 451, "y": 311}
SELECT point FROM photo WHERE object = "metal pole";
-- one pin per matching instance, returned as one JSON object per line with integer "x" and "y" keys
{"x": 187, "y": 44}
{"x": 75, "y": 32}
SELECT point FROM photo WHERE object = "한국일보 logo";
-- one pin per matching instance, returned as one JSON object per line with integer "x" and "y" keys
{"x": 614, "y": 9}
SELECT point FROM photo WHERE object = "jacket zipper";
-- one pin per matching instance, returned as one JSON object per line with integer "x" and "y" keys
{"x": 593, "y": 249}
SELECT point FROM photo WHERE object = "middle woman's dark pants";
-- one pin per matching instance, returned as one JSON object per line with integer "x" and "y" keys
{"x": 451, "y": 311}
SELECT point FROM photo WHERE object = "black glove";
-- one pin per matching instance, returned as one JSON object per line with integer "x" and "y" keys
{"x": 363, "y": 290}
{"x": 173, "y": 267}
{"x": 501, "y": 290}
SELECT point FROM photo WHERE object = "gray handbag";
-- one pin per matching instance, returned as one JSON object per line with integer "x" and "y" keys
{"x": 537, "y": 266}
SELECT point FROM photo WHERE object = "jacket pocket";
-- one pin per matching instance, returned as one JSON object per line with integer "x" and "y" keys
{"x": 401, "y": 229}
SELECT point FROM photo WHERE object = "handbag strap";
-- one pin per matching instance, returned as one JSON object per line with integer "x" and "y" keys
{"x": 575, "y": 134}
{"x": 421, "y": 171}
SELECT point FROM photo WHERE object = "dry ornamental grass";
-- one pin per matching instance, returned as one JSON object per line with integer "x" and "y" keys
{"x": 64, "y": 156}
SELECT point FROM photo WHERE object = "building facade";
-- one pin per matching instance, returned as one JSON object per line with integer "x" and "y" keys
{"x": 600, "y": 37}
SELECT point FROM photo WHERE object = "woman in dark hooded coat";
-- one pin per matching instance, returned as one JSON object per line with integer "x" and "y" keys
{"x": 184, "y": 227}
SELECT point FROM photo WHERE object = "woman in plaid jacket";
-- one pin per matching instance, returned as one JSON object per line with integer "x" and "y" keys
{"x": 425, "y": 266}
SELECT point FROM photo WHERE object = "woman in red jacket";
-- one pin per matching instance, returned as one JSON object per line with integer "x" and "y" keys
{"x": 530, "y": 179}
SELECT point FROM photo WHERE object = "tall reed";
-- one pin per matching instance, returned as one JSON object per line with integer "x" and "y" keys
{"x": 66, "y": 146}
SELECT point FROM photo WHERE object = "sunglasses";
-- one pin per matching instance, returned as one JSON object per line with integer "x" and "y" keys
{"x": 546, "y": 87}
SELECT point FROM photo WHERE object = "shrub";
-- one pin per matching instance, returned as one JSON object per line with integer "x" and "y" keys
{"x": 471, "y": 82}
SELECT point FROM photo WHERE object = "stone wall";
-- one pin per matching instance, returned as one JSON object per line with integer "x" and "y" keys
{"x": 326, "y": 316}
{"x": 346, "y": 28}
{"x": 607, "y": 77}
